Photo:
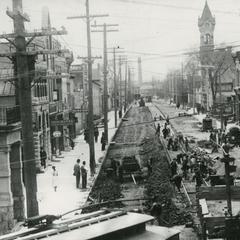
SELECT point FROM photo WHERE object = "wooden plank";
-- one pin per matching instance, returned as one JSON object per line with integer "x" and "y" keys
{"x": 96, "y": 219}
{"x": 218, "y": 193}
{"x": 80, "y": 218}
{"x": 204, "y": 206}
{"x": 212, "y": 222}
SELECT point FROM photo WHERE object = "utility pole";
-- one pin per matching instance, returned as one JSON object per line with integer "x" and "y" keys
{"x": 115, "y": 86}
{"x": 182, "y": 86}
{"x": 139, "y": 71}
{"x": 24, "y": 61}
{"x": 220, "y": 95}
{"x": 125, "y": 86}
{"x": 120, "y": 83}
{"x": 25, "y": 98}
{"x": 129, "y": 85}
{"x": 105, "y": 73}
{"x": 90, "y": 90}
{"x": 194, "y": 93}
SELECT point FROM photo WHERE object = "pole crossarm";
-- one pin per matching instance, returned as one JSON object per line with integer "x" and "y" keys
{"x": 45, "y": 51}
{"x": 107, "y": 30}
{"x": 13, "y": 15}
{"x": 91, "y": 16}
{"x": 107, "y": 25}
{"x": 42, "y": 33}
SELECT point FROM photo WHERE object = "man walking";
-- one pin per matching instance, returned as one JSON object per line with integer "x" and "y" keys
{"x": 84, "y": 175}
{"x": 43, "y": 157}
{"x": 76, "y": 172}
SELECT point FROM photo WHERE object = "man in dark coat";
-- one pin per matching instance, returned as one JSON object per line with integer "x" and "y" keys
{"x": 96, "y": 133}
{"x": 103, "y": 141}
{"x": 43, "y": 157}
{"x": 76, "y": 172}
{"x": 84, "y": 175}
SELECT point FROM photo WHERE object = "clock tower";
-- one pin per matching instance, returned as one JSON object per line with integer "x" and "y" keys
{"x": 206, "y": 25}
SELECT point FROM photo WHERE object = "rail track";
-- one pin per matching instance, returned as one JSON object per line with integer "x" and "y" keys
{"x": 188, "y": 186}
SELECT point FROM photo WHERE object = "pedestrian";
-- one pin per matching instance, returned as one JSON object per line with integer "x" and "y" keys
{"x": 170, "y": 143}
{"x": 114, "y": 166}
{"x": 103, "y": 141}
{"x": 174, "y": 167}
{"x": 198, "y": 177}
{"x": 120, "y": 113}
{"x": 177, "y": 180}
{"x": 175, "y": 144}
{"x": 96, "y": 134}
{"x": 156, "y": 210}
{"x": 149, "y": 166}
{"x": 120, "y": 172}
{"x": 86, "y": 135}
{"x": 77, "y": 173}
{"x": 43, "y": 157}
{"x": 225, "y": 122}
{"x": 186, "y": 144}
{"x": 72, "y": 144}
{"x": 54, "y": 178}
{"x": 84, "y": 175}
{"x": 165, "y": 132}
{"x": 158, "y": 130}
{"x": 185, "y": 167}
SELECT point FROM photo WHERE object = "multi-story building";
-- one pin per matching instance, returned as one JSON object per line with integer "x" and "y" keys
{"x": 218, "y": 68}
{"x": 79, "y": 75}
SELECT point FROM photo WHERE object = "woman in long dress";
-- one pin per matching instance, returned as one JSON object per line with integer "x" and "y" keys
{"x": 54, "y": 178}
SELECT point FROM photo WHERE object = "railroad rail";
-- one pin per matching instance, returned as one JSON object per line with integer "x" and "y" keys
{"x": 186, "y": 185}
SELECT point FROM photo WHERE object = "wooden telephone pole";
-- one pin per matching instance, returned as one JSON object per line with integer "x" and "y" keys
{"x": 125, "y": 86}
{"x": 105, "y": 72}
{"x": 88, "y": 17}
{"x": 24, "y": 65}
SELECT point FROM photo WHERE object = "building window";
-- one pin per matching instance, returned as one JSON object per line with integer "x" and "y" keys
{"x": 207, "y": 38}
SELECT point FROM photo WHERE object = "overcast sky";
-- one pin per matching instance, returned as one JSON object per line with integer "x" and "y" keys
{"x": 151, "y": 29}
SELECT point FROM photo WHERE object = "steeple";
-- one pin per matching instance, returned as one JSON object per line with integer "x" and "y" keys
{"x": 206, "y": 16}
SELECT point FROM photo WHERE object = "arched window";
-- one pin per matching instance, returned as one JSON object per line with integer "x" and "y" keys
{"x": 207, "y": 38}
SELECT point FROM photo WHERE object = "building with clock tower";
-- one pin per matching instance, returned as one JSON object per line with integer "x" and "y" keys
{"x": 206, "y": 25}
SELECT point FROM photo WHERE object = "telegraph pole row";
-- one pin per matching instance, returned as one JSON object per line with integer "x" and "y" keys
{"x": 24, "y": 64}
{"x": 105, "y": 73}
{"x": 115, "y": 84}
{"x": 88, "y": 17}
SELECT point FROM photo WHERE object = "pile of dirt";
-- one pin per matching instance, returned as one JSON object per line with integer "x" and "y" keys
{"x": 159, "y": 186}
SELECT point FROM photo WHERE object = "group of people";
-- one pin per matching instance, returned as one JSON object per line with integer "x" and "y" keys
{"x": 80, "y": 171}
{"x": 96, "y": 134}
{"x": 86, "y": 134}
{"x": 217, "y": 138}
{"x": 195, "y": 164}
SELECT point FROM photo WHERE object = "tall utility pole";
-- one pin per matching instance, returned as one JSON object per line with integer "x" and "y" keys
{"x": 90, "y": 90}
{"x": 125, "y": 86}
{"x": 115, "y": 86}
{"x": 129, "y": 85}
{"x": 105, "y": 73}
{"x": 24, "y": 64}
{"x": 25, "y": 98}
{"x": 220, "y": 95}
{"x": 182, "y": 86}
{"x": 120, "y": 83}
{"x": 139, "y": 71}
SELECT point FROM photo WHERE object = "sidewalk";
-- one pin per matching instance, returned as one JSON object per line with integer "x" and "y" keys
{"x": 68, "y": 197}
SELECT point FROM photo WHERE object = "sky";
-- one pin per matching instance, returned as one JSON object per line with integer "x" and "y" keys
{"x": 158, "y": 31}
